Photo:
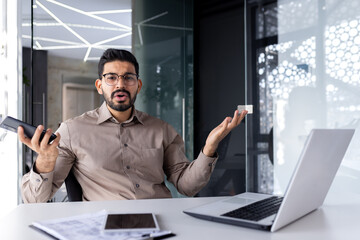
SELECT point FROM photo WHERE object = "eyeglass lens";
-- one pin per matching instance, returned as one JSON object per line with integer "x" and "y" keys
{"x": 113, "y": 78}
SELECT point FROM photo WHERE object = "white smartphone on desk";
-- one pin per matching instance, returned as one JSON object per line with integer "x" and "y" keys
{"x": 131, "y": 222}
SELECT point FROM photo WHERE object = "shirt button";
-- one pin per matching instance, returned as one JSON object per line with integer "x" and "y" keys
{"x": 210, "y": 164}
{"x": 137, "y": 185}
{"x": 38, "y": 180}
{"x": 45, "y": 179}
{"x": 127, "y": 167}
{"x": 125, "y": 145}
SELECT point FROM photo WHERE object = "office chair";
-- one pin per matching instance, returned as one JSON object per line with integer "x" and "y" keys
{"x": 271, "y": 146}
{"x": 73, "y": 188}
{"x": 223, "y": 174}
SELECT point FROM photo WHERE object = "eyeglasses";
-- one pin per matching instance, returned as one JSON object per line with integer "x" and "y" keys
{"x": 112, "y": 79}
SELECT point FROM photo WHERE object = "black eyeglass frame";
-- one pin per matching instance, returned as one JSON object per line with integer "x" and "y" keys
{"x": 118, "y": 77}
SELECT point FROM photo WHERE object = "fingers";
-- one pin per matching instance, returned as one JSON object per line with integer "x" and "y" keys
{"x": 224, "y": 125}
{"x": 44, "y": 142}
{"x": 236, "y": 120}
{"x": 57, "y": 139}
{"x": 223, "y": 129}
{"x": 22, "y": 137}
{"x": 46, "y": 138}
{"x": 242, "y": 115}
{"x": 34, "y": 142}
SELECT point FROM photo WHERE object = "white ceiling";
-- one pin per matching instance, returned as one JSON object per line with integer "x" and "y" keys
{"x": 80, "y": 29}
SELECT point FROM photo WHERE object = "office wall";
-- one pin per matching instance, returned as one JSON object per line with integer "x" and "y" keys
{"x": 65, "y": 70}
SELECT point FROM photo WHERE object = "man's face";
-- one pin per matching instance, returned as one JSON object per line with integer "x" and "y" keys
{"x": 119, "y": 97}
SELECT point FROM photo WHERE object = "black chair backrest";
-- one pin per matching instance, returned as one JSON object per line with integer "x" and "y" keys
{"x": 73, "y": 188}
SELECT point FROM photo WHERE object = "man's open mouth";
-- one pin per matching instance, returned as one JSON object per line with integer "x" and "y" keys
{"x": 121, "y": 96}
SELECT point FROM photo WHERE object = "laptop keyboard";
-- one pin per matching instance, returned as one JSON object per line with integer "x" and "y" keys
{"x": 258, "y": 210}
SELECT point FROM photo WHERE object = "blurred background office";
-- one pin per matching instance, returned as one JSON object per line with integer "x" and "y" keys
{"x": 297, "y": 62}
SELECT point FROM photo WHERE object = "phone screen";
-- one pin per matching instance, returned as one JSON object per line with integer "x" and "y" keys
{"x": 131, "y": 222}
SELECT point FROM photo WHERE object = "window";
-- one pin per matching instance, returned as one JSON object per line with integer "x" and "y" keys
{"x": 305, "y": 58}
{"x": 10, "y": 104}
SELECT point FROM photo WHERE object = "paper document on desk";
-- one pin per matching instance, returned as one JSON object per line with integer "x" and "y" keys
{"x": 86, "y": 226}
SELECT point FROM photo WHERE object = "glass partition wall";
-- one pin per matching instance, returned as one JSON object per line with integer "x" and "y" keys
{"x": 62, "y": 43}
{"x": 163, "y": 44}
{"x": 303, "y": 73}
{"x": 64, "y": 40}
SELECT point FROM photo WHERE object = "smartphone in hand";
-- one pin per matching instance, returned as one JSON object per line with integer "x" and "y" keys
{"x": 12, "y": 125}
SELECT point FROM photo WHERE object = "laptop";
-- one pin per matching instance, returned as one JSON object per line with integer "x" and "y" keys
{"x": 319, "y": 161}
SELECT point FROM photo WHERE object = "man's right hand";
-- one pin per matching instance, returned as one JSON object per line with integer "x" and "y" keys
{"x": 47, "y": 153}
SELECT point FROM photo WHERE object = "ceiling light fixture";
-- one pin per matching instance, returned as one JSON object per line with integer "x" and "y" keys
{"x": 55, "y": 24}
{"x": 69, "y": 26}
{"x": 64, "y": 47}
{"x": 87, "y": 54}
{"x": 38, "y": 44}
{"x": 50, "y": 40}
{"x": 166, "y": 27}
{"x": 154, "y": 17}
{"x": 105, "y": 41}
{"x": 148, "y": 20}
{"x": 112, "y": 39}
{"x": 62, "y": 23}
{"x": 104, "y": 47}
{"x": 93, "y": 58}
{"x": 110, "y": 11}
{"x": 89, "y": 14}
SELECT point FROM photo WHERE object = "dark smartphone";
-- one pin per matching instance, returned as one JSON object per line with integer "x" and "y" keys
{"x": 12, "y": 124}
{"x": 141, "y": 222}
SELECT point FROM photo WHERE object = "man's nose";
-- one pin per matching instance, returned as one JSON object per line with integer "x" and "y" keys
{"x": 120, "y": 83}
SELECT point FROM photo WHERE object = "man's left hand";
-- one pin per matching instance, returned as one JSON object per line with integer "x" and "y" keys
{"x": 220, "y": 132}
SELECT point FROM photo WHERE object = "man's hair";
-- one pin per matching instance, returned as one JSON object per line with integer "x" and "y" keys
{"x": 112, "y": 54}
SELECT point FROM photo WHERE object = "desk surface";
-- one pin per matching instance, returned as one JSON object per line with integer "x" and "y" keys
{"x": 338, "y": 218}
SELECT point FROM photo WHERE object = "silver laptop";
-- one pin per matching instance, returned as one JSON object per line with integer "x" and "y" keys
{"x": 319, "y": 161}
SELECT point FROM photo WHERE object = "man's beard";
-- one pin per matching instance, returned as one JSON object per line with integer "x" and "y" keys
{"x": 120, "y": 106}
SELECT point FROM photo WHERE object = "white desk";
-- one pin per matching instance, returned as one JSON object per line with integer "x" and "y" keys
{"x": 336, "y": 219}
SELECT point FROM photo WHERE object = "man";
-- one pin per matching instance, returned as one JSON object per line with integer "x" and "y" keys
{"x": 116, "y": 151}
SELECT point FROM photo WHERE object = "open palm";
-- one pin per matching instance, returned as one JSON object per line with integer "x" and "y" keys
{"x": 220, "y": 132}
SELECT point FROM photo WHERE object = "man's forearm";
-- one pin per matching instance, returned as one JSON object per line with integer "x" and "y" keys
{"x": 196, "y": 175}
{"x": 209, "y": 151}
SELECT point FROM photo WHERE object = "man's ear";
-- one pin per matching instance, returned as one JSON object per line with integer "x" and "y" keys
{"x": 139, "y": 85}
{"x": 98, "y": 83}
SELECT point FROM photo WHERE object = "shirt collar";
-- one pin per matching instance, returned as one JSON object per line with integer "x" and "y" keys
{"x": 104, "y": 115}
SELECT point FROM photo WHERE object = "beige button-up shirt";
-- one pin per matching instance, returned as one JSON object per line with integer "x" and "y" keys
{"x": 113, "y": 160}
